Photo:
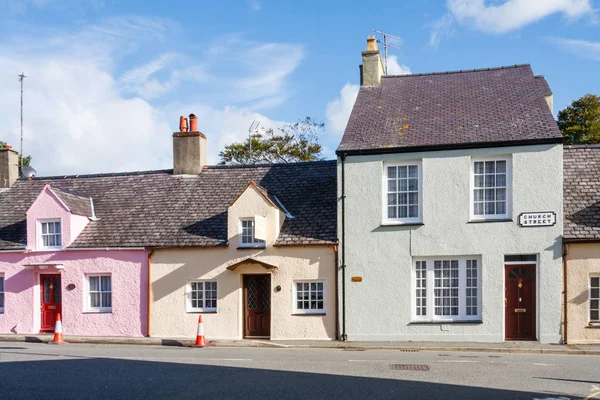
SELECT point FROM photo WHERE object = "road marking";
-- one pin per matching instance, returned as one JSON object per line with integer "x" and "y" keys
{"x": 178, "y": 358}
{"x": 591, "y": 396}
{"x": 543, "y": 364}
{"x": 456, "y": 361}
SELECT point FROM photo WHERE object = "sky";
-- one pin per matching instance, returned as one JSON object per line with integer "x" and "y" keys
{"x": 108, "y": 79}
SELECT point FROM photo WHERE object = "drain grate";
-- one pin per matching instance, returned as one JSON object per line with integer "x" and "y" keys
{"x": 409, "y": 350}
{"x": 409, "y": 367}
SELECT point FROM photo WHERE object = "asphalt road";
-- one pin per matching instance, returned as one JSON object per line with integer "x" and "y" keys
{"x": 77, "y": 371}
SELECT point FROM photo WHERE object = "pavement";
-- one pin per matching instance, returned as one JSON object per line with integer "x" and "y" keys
{"x": 90, "y": 371}
{"x": 524, "y": 347}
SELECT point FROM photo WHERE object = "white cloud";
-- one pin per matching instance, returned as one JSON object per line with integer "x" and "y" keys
{"x": 255, "y": 5}
{"x": 513, "y": 14}
{"x": 442, "y": 28}
{"x": 581, "y": 48}
{"x": 395, "y": 68}
{"x": 83, "y": 117}
{"x": 338, "y": 110}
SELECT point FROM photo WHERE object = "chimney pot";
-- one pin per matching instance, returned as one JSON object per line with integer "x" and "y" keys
{"x": 193, "y": 123}
{"x": 183, "y": 124}
{"x": 372, "y": 43}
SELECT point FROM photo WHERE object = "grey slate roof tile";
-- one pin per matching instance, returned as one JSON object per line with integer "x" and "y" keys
{"x": 453, "y": 108}
{"x": 158, "y": 209}
{"x": 75, "y": 202}
{"x": 581, "y": 191}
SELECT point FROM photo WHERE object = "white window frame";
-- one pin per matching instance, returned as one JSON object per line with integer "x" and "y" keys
{"x": 188, "y": 296}
{"x": 3, "y": 293}
{"x": 40, "y": 235}
{"x": 384, "y": 193}
{"x": 255, "y": 242}
{"x": 590, "y": 298}
{"x": 88, "y": 297}
{"x": 430, "y": 286}
{"x": 491, "y": 217}
{"x": 317, "y": 311}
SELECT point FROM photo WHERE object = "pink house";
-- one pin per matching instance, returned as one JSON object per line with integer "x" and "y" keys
{"x": 62, "y": 251}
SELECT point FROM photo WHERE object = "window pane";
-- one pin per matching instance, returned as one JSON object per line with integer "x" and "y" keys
{"x": 402, "y": 172}
{"x": 391, "y": 172}
{"x": 595, "y": 281}
{"x": 95, "y": 300}
{"x": 392, "y": 199}
{"x": 413, "y": 184}
{"x": 594, "y": 315}
{"x": 1, "y": 284}
{"x": 44, "y": 227}
{"x": 490, "y": 181}
{"x": 478, "y": 209}
{"x": 490, "y": 167}
{"x": 479, "y": 180}
{"x": 106, "y": 285}
{"x": 413, "y": 198}
{"x": 490, "y": 208}
{"x": 413, "y": 211}
{"x": 595, "y": 293}
{"x": 403, "y": 198}
{"x": 500, "y": 194}
{"x": 478, "y": 167}
{"x": 2, "y": 300}
{"x": 94, "y": 283}
{"x": 106, "y": 300}
{"x": 501, "y": 180}
{"x": 403, "y": 211}
{"x": 392, "y": 185}
{"x": 500, "y": 207}
{"x": 500, "y": 167}
{"x": 413, "y": 171}
{"x": 403, "y": 185}
{"x": 392, "y": 212}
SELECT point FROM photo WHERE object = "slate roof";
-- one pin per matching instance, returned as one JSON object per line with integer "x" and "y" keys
{"x": 76, "y": 203}
{"x": 158, "y": 209}
{"x": 581, "y": 176}
{"x": 452, "y": 109}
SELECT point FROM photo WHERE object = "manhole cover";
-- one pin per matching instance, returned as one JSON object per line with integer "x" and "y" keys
{"x": 409, "y": 367}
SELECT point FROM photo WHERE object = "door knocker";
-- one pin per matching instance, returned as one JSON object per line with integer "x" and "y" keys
{"x": 520, "y": 283}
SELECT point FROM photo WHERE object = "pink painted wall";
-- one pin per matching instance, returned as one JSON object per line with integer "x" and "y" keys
{"x": 47, "y": 206}
{"x": 129, "y": 291}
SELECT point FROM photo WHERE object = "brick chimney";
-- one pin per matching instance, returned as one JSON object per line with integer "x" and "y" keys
{"x": 189, "y": 149}
{"x": 371, "y": 69}
{"x": 9, "y": 167}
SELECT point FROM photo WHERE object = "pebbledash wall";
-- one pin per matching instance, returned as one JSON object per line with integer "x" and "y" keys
{"x": 128, "y": 269}
{"x": 380, "y": 307}
{"x": 583, "y": 261}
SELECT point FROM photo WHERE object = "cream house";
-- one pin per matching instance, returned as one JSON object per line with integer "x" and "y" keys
{"x": 581, "y": 244}
{"x": 250, "y": 248}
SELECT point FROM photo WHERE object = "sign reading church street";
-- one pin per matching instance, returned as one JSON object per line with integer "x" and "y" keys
{"x": 531, "y": 219}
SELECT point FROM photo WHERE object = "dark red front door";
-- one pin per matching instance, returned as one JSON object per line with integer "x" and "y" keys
{"x": 519, "y": 303}
{"x": 50, "y": 301}
{"x": 257, "y": 296}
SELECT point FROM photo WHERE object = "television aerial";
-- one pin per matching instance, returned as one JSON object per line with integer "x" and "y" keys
{"x": 386, "y": 43}
{"x": 26, "y": 172}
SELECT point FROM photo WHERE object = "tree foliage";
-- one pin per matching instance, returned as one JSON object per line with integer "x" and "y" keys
{"x": 26, "y": 160}
{"x": 579, "y": 123}
{"x": 297, "y": 142}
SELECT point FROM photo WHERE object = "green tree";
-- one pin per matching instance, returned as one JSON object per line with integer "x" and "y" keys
{"x": 26, "y": 160}
{"x": 297, "y": 142}
{"x": 579, "y": 123}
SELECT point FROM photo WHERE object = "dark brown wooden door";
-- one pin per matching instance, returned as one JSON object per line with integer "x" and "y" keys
{"x": 520, "y": 313}
{"x": 257, "y": 301}
{"x": 51, "y": 302}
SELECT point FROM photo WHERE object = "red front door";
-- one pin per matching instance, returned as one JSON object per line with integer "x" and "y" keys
{"x": 257, "y": 295}
{"x": 50, "y": 301}
{"x": 520, "y": 313}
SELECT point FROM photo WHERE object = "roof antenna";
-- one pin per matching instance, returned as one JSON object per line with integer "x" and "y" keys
{"x": 253, "y": 129}
{"x": 21, "y": 79}
{"x": 386, "y": 44}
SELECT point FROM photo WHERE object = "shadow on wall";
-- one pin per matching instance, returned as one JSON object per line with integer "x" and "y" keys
{"x": 89, "y": 378}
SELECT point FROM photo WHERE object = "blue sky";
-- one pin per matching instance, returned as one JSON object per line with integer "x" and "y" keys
{"x": 107, "y": 79}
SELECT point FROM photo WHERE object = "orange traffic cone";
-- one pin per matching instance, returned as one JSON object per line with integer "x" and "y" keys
{"x": 58, "y": 336}
{"x": 200, "y": 341}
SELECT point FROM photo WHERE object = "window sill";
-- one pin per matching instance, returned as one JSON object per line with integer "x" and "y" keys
{"x": 309, "y": 314}
{"x": 593, "y": 325}
{"x": 251, "y": 247}
{"x": 97, "y": 311}
{"x": 402, "y": 223}
{"x": 445, "y": 322}
{"x": 201, "y": 312}
{"x": 480, "y": 221}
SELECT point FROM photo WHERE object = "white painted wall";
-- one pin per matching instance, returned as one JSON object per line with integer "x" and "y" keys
{"x": 379, "y": 307}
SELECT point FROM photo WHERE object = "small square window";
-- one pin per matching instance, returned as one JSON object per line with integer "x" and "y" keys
{"x": 201, "y": 296}
{"x": 247, "y": 233}
{"x": 99, "y": 296}
{"x": 309, "y": 297}
{"x": 50, "y": 234}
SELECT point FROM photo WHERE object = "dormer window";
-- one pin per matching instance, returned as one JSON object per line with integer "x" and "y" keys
{"x": 50, "y": 234}
{"x": 248, "y": 233}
